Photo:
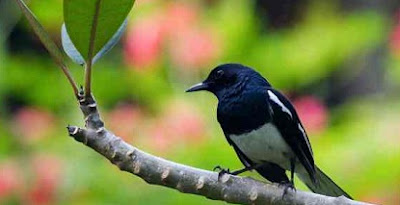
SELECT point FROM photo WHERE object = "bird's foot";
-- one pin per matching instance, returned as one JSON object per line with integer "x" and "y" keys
{"x": 286, "y": 186}
{"x": 221, "y": 171}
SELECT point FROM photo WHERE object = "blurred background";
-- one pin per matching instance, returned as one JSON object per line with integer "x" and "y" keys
{"x": 337, "y": 60}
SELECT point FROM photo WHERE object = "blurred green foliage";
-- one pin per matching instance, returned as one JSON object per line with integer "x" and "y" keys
{"x": 140, "y": 87}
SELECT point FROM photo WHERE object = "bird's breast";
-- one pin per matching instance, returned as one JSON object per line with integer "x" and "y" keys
{"x": 264, "y": 144}
{"x": 243, "y": 113}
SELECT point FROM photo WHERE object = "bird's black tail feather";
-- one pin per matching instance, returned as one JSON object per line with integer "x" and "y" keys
{"x": 323, "y": 185}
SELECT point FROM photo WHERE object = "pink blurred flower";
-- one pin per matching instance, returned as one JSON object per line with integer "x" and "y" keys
{"x": 395, "y": 37}
{"x": 10, "y": 179}
{"x": 33, "y": 123}
{"x": 193, "y": 49}
{"x": 180, "y": 123}
{"x": 161, "y": 140}
{"x": 124, "y": 121}
{"x": 184, "y": 120}
{"x": 143, "y": 42}
{"x": 47, "y": 172}
{"x": 191, "y": 45}
{"x": 179, "y": 17}
{"x": 312, "y": 113}
{"x": 176, "y": 26}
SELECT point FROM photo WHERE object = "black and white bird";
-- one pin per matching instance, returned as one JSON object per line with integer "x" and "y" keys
{"x": 263, "y": 128}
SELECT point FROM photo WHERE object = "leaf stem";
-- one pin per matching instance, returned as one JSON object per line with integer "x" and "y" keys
{"x": 88, "y": 69}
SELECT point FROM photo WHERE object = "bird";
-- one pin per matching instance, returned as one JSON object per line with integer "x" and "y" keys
{"x": 264, "y": 129}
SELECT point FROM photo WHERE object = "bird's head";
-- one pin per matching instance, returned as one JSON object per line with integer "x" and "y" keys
{"x": 229, "y": 78}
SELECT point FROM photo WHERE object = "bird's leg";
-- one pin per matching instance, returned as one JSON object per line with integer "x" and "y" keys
{"x": 289, "y": 184}
{"x": 292, "y": 166}
{"x": 223, "y": 171}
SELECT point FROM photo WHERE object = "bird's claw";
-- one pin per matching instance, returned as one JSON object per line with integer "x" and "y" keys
{"x": 217, "y": 168}
{"x": 287, "y": 185}
{"x": 221, "y": 171}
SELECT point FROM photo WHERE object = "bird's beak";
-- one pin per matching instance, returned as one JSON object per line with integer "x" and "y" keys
{"x": 197, "y": 87}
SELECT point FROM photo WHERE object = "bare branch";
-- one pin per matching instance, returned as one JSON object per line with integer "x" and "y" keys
{"x": 155, "y": 170}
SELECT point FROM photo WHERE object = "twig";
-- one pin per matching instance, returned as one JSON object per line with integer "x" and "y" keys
{"x": 155, "y": 170}
{"x": 89, "y": 61}
{"x": 48, "y": 43}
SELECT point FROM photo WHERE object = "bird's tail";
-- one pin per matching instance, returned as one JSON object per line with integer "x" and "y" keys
{"x": 323, "y": 184}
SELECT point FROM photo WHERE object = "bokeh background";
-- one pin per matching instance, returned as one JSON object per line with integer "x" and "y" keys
{"x": 337, "y": 60}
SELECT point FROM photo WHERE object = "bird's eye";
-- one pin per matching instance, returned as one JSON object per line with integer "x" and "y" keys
{"x": 219, "y": 74}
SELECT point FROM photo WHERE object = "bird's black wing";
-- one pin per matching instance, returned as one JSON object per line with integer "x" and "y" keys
{"x": 286, "y": 120}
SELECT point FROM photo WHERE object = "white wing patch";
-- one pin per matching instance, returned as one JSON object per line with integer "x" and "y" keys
{"x": 274, "y": 98}
{"x": 305, "y": 137}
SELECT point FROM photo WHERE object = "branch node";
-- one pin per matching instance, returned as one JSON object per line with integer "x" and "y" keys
{"x": 225, "y": 178}
{"x": 136, "y": 167}
{"x": 165, "y": 174}
{"x": 253, "y": 195}
{"x": 114, "y": 155}
{"x": 81, "y": 98}
{"x": 130, "y": 154}
{"x": 200, "y": 183}
{"x": 72, "y": 130}
{"x": 100, "y": 130}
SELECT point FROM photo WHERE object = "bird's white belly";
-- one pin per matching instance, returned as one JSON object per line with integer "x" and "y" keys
{"x": 265, "y": 145}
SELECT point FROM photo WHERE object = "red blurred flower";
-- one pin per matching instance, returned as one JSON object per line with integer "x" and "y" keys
{"x": 180, "y": 123}
{"x": 124, "y": 120}
{"x": 32, "y": 123}
{"x": 191, "y": 45}
{"x": 313, "y": 114}
{"x": 161, "y": 140}
{"x": 184, "y": 120}
{"x": 47, "y": 176}
{"x": 179, "y": 17}
{"x": 177, "y": 26}
{"x": 395, "y": 37}
{"x": 193, "y": 49}
{"x": 143, "y": 42}
{"x": 10, "y": 179}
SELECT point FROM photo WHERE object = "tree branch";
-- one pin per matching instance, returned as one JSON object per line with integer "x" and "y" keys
{"x": 155, "y": 170}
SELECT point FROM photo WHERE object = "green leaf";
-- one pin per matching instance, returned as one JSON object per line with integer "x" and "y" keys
{"x": 111, "y": 43}
{"x": 70, "y": 48}
{"x": 74, "y": 54}
{"x": 44, "y": 37}
{"x": 80, "y": 18}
